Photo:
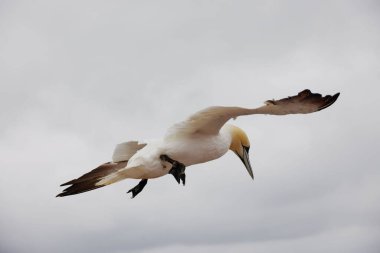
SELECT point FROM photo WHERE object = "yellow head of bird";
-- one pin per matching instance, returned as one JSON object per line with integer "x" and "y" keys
{"x": 240, "y": 146}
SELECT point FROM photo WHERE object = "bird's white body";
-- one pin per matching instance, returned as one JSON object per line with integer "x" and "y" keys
{"x": 198, "y": 148}
{"x": 188, "y": 149}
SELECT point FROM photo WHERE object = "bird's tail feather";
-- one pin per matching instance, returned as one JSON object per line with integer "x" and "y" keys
{"x": 89, "y": 181}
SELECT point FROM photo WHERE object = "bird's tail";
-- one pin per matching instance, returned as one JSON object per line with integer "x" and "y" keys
{"x": 89, "y": 181}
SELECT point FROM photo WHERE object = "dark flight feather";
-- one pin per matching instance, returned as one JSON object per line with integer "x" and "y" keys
{"x": 88, "y": 181}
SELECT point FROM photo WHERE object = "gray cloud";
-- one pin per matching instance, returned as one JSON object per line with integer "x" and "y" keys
{"x": 79, "y": 77}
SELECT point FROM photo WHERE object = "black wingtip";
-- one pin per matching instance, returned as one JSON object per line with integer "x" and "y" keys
{"x": 79, "y": 188}
{"x": 330, "y": 101}
{"x": 336, "y": 96}
{"x": 68, "y": 183}
{"x": 88, "y": 181}
{"x": 62, "y": 194}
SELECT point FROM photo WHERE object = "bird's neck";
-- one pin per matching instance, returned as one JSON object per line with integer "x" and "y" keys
{"x": 229, "y": 133}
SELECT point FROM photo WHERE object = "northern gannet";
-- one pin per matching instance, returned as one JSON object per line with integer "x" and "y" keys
{"x": 203, "y": 137}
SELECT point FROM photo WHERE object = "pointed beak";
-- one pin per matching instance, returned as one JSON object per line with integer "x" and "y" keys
{"x": 245, "y": 159}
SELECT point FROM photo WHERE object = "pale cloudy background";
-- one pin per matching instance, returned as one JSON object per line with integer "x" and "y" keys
{"x": 78, "y": 77}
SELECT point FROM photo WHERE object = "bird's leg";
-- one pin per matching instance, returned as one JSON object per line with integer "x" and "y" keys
{"x": 177, "y": 170}
{"x": 138, "y": 188}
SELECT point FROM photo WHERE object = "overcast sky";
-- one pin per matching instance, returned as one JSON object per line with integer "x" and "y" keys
{"x": 78, "y": 77}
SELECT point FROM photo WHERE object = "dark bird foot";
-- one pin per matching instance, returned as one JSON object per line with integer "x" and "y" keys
{"x": 138, "y": 188}
{"x": 177, "y": 170}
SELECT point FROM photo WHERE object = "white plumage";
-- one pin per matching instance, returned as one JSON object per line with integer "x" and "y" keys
{"x": 203, "y": 137}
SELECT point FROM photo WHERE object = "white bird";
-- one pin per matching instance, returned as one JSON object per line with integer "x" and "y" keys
{"x": 203, "y": 137}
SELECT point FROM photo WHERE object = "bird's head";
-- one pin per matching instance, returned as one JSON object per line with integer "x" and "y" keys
{"x": 240, "y": 146}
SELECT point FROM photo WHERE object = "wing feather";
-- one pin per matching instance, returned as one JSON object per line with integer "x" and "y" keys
{"x": 211, "y": 120}
{"x": 207, "y": 121}
{"x": 92, "y": 180}
{"x": 302, "y": 103}
{"x": 124, "y": 151}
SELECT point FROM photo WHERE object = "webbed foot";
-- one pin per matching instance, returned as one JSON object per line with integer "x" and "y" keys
{"x": 177, "y": 170}
{"x": 138, "y": 188}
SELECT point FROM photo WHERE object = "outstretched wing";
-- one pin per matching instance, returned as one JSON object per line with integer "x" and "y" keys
{"x": 302, "y": 103}
{"x": 210, "y": 120}
{"x": 206, "y": 121}
{"x": 90, "y": 181}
